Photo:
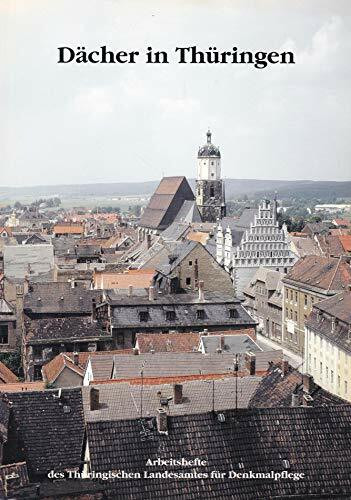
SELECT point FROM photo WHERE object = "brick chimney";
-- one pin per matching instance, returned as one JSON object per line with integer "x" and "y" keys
{"x": 151, "y": 293}
{"x": 201, "y": 291}
{"x": 285, "y": 367}
{"x": 178, "y": 394}
{"x": 250, "y": 362}
{"x": 307, "y": 381}
{"x": 94, "y": 399}
{"x": 161, "y": 420}
{"x": 221, "y": 342}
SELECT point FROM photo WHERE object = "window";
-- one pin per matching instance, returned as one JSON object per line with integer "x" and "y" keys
{"x": 306, "y": 300}
{"x": 331, "y": 376}
{"x": 212, "y": 193}
{"x": 345, "y": 387}
{"x": 187, "y": 281}
{"x": 4, "y": 334}
{"x": 37, "y": 351}
{"x": 37, "y": 372}
{"x": 170, "y": 315}
{"x": 321, "y": 368}
{"x": 143, "y": 316}
{"x": 233, "y": 313}
{"x": 295, "y": 316}
{"x": 190, "y": 262}
{"x": 326, "y": 372}
{"x": 338, "y": 381}
{"x": 200, "y": 314}
{"x": 295, "y": 296}
{"x": 315, "y": 362}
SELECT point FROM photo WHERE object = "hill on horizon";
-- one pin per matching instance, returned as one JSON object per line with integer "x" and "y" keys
{"x": 234, "y": 188}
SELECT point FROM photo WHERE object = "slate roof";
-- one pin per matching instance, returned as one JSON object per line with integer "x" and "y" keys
{"x": 338, "y": 307}
{"x": 168, "y": 342}
{"x": 4, "y": 419}
{"x": 313, "y": 441}
{"x": 166, "y": 202}
{"x": 51, "y": 428}
{"x": 40, "y": 258}
{"x": 79, "y": 328}
{"x": 58, "y": 297}
{"x": 123, "y": 400}
{"x": 276, "y": 389}
{"x": 185, "y": 363}
{"x": 328, "y": 274}
{"x": 188, "y": 212}
{"x": 185, "y": 315}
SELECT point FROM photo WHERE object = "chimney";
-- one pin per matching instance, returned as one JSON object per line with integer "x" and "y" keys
{"x": 76, "y": 358}
{"x": 307, "y": 381}
{"x": 285, "y": 367}
{"x": 151, "y": 293}
{"x": 250, "y": 363}
{"x": 178, "y": 394}
{"x": 130, "y": 290}
{"x": 221, "y": 342}
{"x": 94, "y": 399}
{"x": 205, "y": 331}
{"x": 161, "y": 420}
{"x": 333, "y": 324}
{"x": 72, "y": 283}
{"x": 148, "y": 241}
{"x": 93, "y": 301}
{"x": 307, "y": 400}
{"x": 295, "y": 398}
{"x": 201, "y": 291}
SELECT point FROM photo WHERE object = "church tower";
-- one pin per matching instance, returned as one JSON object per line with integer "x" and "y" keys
{"x": 210, "y": 198}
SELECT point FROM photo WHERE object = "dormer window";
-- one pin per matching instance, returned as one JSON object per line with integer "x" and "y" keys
{"x": 200, "y": 314}
{"x": 170, "y": 315}
{"x": 233, "y": 313}
{"x": 144, "y": 316}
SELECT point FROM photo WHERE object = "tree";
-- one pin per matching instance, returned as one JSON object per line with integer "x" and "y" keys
{"x": 13, "y": 361}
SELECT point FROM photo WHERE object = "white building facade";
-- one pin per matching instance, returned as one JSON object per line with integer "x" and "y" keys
{"x": 262, "y": 244}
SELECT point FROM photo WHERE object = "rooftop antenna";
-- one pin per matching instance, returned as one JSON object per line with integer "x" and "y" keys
{"x": 142, "y": 388}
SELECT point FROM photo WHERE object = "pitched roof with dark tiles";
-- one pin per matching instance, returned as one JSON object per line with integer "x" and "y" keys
{"x": 337, "y": 309}
{"x": 53, "y": 329}
{"x": 58, "y": 297}
{"x": 276, "y": 389}
{"x": 312, "y": 441}
{"x": 50, "y": 427}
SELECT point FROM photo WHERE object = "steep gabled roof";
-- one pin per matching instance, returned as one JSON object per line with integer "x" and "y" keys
{"x": 6, "y": 375}
{"x": 166, "y": 202}
{"x": 50, "y": 424}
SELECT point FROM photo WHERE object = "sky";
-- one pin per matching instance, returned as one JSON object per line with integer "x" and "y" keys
{"x": 75, "y": 123}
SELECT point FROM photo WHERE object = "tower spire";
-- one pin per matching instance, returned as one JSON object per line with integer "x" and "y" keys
{"x": 209, "y": 136}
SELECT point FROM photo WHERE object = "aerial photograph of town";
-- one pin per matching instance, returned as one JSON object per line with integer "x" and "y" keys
{"x": 175, "y": 250}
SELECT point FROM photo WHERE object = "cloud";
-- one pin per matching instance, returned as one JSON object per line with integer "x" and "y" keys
{"x": 94, "y": 102}
{"x": 186, "y": 105}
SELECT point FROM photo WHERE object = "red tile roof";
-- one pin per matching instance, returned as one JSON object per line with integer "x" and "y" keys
{"x": 329, "y": 274}
{"x": 22, "y": 387}
{"x": 346, "y": 242}
{"x": 6, "y": 375}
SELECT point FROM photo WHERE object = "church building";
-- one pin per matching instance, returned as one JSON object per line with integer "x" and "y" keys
{"x": 210, "y": 197}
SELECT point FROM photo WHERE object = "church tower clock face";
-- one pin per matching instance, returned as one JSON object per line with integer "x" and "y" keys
{"x": 210, "y": 197}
